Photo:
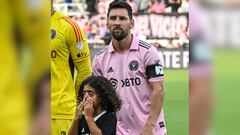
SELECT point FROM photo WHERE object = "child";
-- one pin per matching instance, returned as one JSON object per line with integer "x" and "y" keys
{"x": 95, "y": 113}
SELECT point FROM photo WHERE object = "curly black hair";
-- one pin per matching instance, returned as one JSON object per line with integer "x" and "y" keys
{"x": 110, "y": 100}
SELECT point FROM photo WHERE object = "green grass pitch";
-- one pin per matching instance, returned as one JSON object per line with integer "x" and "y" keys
{"x": 176, "y": 101}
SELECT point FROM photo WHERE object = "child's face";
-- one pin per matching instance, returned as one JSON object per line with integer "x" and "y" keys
{"x": 89, "y": 92}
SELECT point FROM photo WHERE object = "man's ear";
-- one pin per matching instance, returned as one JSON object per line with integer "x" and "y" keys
{"x": 132, "y": 23}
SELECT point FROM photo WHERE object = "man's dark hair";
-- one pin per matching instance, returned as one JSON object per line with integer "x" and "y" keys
{"x": 120, "y": 4}
{"x": 104, "y": 90}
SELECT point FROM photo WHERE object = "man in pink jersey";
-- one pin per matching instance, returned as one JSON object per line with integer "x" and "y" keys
{"x": 134, "y": 69}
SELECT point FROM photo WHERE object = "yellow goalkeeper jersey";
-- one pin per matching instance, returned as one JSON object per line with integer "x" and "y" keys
{"x": 69, "y": 49}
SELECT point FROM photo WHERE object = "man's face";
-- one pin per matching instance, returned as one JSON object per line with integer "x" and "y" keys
{"x": 119, "y": 23}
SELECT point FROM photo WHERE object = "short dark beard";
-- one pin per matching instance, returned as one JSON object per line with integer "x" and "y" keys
{"x": 119, "y": 37}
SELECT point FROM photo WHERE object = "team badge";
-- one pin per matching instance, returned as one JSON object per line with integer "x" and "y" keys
{"x": 80, "y": 45}
{"x": 133, "y": 65}
{"x": 53, "y": 33}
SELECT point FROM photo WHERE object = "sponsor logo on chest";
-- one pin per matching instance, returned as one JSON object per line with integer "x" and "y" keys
{"x": 133, "y": 66}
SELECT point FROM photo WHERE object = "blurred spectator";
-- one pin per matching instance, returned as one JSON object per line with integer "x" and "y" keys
{"x": 184, "y": 37}
{"x": 102, "y": 6}
{"x": 137, "y": 2}
{"x": 91, "y": 6}
{"x": 174, "y": 5}
{"x": 172, "y": 44}
{"x": 103, "y": 27}
{"x": 81, "y": 20}
{"x": 95, "y": 31}
{"x": 134, "y": 5}
{"x": 157, "y": 45}
{"x": 68, "y": 1}
{"x": 157, "y": 7}
{"x": 107, "y": 38}
{"x": 166, "y": 3}
{"x": 184, "y": 7}
{"x": 143, "y": 6}
{"x": 88, "y": 30}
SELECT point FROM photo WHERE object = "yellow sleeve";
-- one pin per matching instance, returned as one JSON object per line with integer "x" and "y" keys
{"x": 80, "y": 53}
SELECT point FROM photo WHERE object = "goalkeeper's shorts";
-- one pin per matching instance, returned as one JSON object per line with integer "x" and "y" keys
{"x": 60, "y": 126}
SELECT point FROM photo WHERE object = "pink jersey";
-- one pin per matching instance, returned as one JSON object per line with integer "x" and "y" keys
{"x": 127, "y": 73}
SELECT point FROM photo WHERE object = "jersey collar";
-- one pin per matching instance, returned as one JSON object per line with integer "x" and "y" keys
{"x": 56, "y": 15}
{"x": 134, "y": 45}
{"x": 99, "y": 115}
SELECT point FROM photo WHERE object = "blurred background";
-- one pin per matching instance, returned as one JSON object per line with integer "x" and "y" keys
{"x": 213, "y": 70}
{"x": 24, "y": 63}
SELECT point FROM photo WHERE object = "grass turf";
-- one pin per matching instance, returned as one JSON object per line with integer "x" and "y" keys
{"x": 176, "y": 101}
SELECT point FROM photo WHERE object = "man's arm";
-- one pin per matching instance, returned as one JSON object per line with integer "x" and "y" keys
{"x": 82, "y": 61}
{"x": 84, "y": 70}
{"x": 154, "y": 72}
{"x": 80, "y": 53}
{"x": 157, "y": 97}
{"x": 156, "y": 102}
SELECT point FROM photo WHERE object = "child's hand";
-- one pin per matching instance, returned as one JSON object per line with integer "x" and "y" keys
{"x": 88, "y": 108}
{"x": 79, "y": 109}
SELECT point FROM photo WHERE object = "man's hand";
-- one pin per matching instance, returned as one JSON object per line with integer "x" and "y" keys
{"x": 147, "y": 130}
{"x": 88, "y": 108}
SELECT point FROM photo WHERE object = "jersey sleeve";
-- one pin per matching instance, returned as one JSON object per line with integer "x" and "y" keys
{"x": 153, "y": 65}
{"x": 80, "y": 54}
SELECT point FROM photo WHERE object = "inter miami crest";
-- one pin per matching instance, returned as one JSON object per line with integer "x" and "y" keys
{"x": 133, "y": 65}
{"x": 53, "y": 33}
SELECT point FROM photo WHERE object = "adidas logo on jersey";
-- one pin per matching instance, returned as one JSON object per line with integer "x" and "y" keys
{"x": 110, "y": 70}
